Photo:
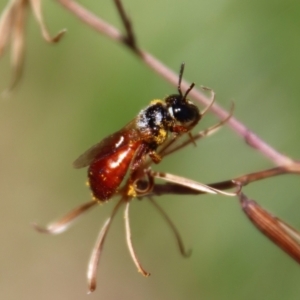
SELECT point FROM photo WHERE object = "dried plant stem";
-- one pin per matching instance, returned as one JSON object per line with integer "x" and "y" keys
{"x": 66, "y": 221}
{"x": 95, "y": 256}
{"x": 179, "y": 189}
{"x": 174, "y": 229}
{"x": 129, "y": 242}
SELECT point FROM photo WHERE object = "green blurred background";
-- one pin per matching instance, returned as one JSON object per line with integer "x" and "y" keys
{"x": 75, "y": 93}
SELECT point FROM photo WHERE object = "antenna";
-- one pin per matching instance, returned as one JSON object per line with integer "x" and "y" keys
{"x": 180, "y": 78}
{"x": 179, "y": 83}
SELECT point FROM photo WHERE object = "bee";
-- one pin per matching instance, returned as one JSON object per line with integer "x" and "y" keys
{"x": 129, "y": 152}
{"x": 125, "y": 150}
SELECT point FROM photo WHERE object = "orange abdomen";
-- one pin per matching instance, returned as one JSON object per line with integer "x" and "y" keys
{"x": 106, "y": 173}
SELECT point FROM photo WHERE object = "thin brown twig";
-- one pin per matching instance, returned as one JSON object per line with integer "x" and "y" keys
{"x": 130, "y": 38}
{"x": 176, "y": 189}
{"x": 110, "y": 31}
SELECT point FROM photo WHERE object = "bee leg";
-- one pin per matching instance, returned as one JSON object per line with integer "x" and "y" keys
{"x": 156, "y": 158}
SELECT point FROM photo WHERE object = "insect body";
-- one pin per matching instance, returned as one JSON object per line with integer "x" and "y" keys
{"x": 149, "y": 135}
{"x": 127, "y": 148}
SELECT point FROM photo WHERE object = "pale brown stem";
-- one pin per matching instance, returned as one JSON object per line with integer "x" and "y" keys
{"x": 177, "y": 188}
{"x": 95, "y": 256}
{"x": 191, "y": 184}
{"x": 66, "y": 221}
{"x": 130, "y": 245}
{"x": 173, "y": 228}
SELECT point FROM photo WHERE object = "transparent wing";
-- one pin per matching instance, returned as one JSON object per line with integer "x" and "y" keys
{"x": 106, "y": 146}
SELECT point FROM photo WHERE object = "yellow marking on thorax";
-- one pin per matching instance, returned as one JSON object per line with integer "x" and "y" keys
{"x": 154, "y": 101}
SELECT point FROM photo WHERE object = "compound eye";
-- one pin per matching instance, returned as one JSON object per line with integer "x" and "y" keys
{"x": 186, "y": 113}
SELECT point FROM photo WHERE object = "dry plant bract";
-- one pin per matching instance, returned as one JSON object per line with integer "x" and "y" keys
{"x": 12, "y": 30}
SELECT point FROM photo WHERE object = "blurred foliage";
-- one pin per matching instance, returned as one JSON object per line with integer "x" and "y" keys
{"x": 75, "y": 93}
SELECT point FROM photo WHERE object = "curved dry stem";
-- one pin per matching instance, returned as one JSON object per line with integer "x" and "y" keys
{"x": 95, "y": 256}
{"x": 146, "y": 187}
{"x": 168, "y": 188}
{"x": 18, "y": 45}
{"x": 37, "y": 10}
{"x": 194, "y": 185}
{"x": 66, "y": 221}
{"x": 129, "y": 243}
{"x": 179, "y": 189}
{"x": 173, "y": 228}
{"x": 6, "y": 21}
{"x": 212, "y": 100}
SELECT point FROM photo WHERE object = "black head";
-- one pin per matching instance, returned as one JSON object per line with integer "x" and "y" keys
{"x": 180, "y": 108}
